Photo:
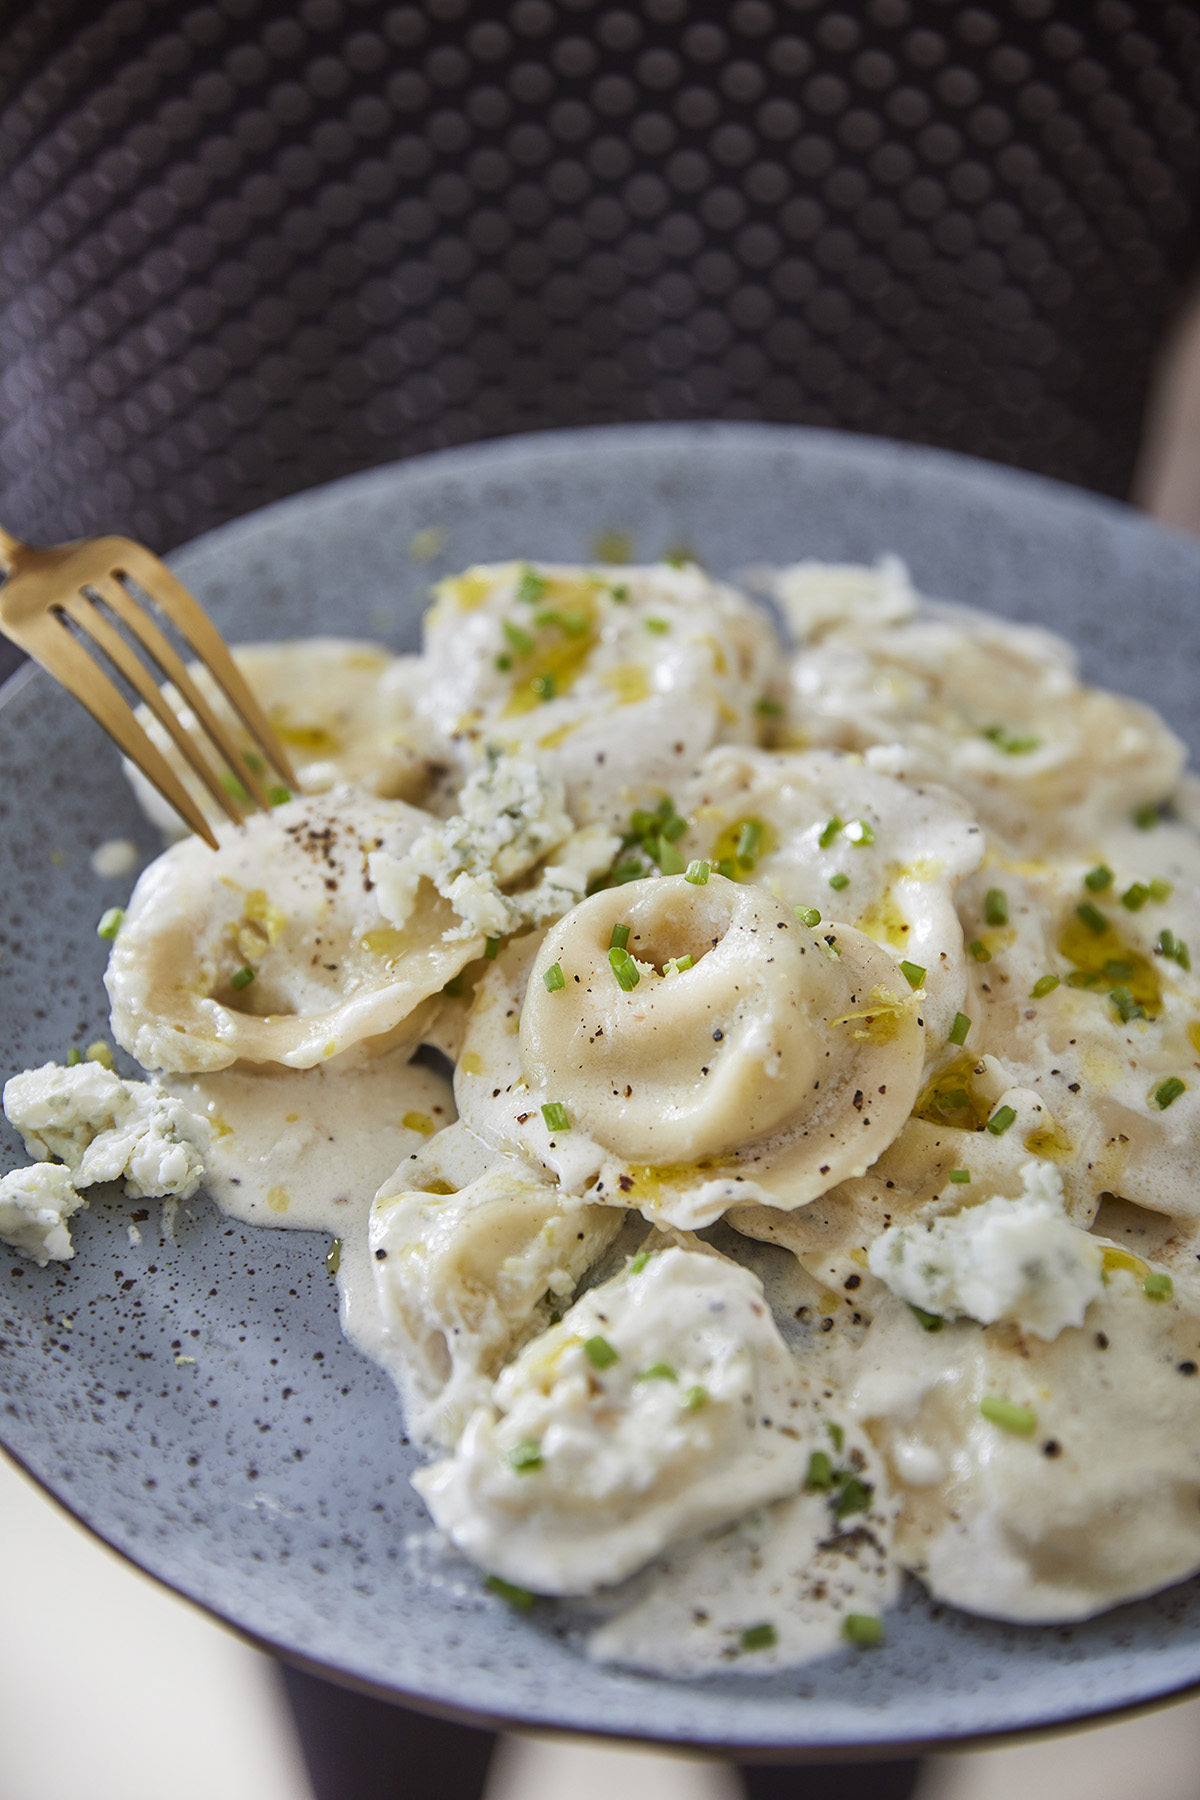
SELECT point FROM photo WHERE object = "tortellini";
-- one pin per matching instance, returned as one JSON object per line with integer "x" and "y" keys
{"x": 875, "y": 953}
{"x": 626, "y": 674}
{"x": 734, "y": 1054}
{"x": 994, "y": 708}
{"x": 273, "y": 948}
{"x": 343, "y": 711}
{"x": 663, "y": 1404}
{"x": 465, "y": 1276}
{"x": 1040, "y": 1481}
{"x": 827, "y": 831}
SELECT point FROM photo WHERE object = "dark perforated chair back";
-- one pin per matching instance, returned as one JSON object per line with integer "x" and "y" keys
{"x": 248, "y": 246}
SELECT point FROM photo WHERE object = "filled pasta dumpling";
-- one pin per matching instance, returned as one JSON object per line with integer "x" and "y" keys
{"x": 273, "y": 948}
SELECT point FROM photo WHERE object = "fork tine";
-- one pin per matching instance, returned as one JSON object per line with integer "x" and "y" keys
{"x": 209, "y": 645}
{"x": 48, "y": 641}
{"x": 164, "y": 653}
{"x": 90, "y": 620}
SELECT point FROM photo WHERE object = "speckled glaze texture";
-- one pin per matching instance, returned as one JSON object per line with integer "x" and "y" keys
{"x": 268, "y": 1479}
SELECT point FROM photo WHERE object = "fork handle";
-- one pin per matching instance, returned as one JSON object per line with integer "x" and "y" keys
{"x": 10, "y": 549}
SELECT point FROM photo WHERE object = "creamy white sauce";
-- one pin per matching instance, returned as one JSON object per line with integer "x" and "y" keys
{"x": 1012, "y": 950}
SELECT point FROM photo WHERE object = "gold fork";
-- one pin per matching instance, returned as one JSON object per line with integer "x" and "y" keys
{"x": 84, "y": 582}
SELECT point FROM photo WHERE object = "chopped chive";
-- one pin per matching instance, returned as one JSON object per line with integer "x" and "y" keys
{"x": 659, "y": 1371}
{"x": 520, "y": 640}
{"x": 619, "y": 938}
{"x": 749, "y": 839}
{"x": 543, "y": 685}
{"x": 1099, "y": 878}
{"x": 808, "y": 915}
{"x": 854, "y": 1497}
{"x": 599, "y": 1352}
{"x": 820, "y": 1471}
{"x": 626, "y": 871}
{"x": 454, "y": 987}
{"x": 1127, "y": 1007}
{"x": 1117, "y": 969}
{"x": 960, "y": 1175}
{"x": 525, "y": 1457}
{"x": 979, "y": 952}
{"x": 768, "y": 708}
{"x": 995, "y": 906}
{"x": 504, "y": 662}
{"x": 860, "y": 833}
{"x": 695, "y": 1398}
{"x": 234, "y": 788}
{"x": 727, "y": 867}
{"x": 1045, "y": 984}
{"x": 1158, "y": 1287}
{"x": 760, "y": 1637}
{"x": 625, "y": 969}
{"x": 678, "y": 965}
{"x": 1174, "y": 948}
{"x": 657, "y": 626}
{"x": 333, "y": 1257}
{"x": 1009, "y": 742}
{"x": 531, "y": 588}
{"x": 279, "y": 795}
{"x": 863, "y": 1630}
{"x": 1135, "y": 896}
{"x": 518, "y": 1597}
{"x": 913, "y": 973}
{"x": 839, "y": 881}
{"x": 1169, "y": 1091}
{"x": 669, "y": 859}
{"x": 953, "y": 1099}
{"x": 554, "y": 978}
{"x": 491, "y": 948}
{"x": 241, "y": 978}
{"x": 1146, "y": 817}
{"x": 74, "y": 1057}
{"x": 254, "y": 761}
{"x": 639, "y": 1262}
{"x": 673, "y": 828}
{"x": 697, "y": 872}
{"x": 1160, "y": 890}
{"x": 926, "y": 1320}
{"x": 829, "y": 832}
{"x": 957, "y": 1033}
{"x": 556, "y": 1116}
{"x": 620, "y": 594}
{"x": 1000, "y": 1121}
{"x": 111, "y": 922}
{"x": 837, "y": 1436}
{"x": 1092, "y": 917}
{"x": 1010, "y": 1416}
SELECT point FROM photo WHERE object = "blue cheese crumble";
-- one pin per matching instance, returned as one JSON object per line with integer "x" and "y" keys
{"x": 35, "y": 1205}
{"x": 511, "y": 816}
{"x": 86, "y": 1124}
{"x": 1021, "y": 1260}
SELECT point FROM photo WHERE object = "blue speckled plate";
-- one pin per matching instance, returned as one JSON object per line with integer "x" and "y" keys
{"x": 268, "y": 1480}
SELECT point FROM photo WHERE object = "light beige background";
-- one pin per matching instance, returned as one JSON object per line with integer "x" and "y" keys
{"x": 111, "y": 1689}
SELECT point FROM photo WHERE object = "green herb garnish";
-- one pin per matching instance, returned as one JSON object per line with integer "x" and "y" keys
{"x": 599, "y": 1352}
{"x": 1008, "y": 1415}
{"x": 556, "y": 1116}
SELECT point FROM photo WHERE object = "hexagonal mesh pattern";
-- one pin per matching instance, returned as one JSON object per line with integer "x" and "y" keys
{"x": 251, "y": 245}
